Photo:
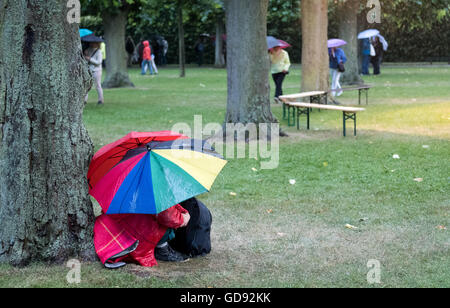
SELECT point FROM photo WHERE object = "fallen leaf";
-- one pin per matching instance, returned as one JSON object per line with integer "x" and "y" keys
{"x": 202, "y": 85}
{"x": 418, "y": 180}
{"x": 325, "y": 164}
{"x": 348, "y": 226}
{"x": 292, "y": 182}
{"x": 441, "y": 228}
{"x": 426, "y": 146}
{"x": 233, "y": 194}
{"x": 281, "y": 234}
{"x": 396, "y": 156}
{"x": 270, "y": 211}
{"x": 254, "y": 169}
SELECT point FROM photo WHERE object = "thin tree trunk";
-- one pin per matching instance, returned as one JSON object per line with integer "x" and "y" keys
{"x": 315, "y": 60}
{"x": 116, "y": 54}
{"x": 247, "y": 62}
{"x": 348, "y": 31}
{"x": 45, "y": 209}
{"x": 181, "y": 45}
{"x": 219, "y": 56}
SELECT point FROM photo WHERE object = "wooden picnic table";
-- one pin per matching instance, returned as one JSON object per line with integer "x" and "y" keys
{"x": 361, "y": 88}
{"x": 349, "y": 113}
{"x": 314, "y": 97}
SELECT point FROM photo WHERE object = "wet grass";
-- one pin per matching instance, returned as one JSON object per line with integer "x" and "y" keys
{"x": 275, "y": 234}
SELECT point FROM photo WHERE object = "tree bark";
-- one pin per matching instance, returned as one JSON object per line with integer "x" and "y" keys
{"x": 348, "y": 31}
{"x": 181, "y": 45}
{"x": 45, "y": 209}
{"x": 116, "y": 54}
{"x": 247, "y": 62}
{"x": 219, "y": 56}
{"x": 315, "y": 60}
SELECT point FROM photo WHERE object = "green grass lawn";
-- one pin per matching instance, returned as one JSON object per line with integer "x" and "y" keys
{"x": 274, "y": 234}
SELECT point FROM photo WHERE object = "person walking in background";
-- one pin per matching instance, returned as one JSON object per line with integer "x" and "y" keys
{"x": 153, "y": 64}
{"x": 280, "y": 64}
{"x": 365, "y": 56}
{"x": 147, "y": 58}
{"x": 376, "y": 60}
{"x": 130, "y": 47}
{"x": 200, "y": 49}
{"x": 94, "y": 57}
{"x": 337, "y": 61}
{"x": 165, "y": 46}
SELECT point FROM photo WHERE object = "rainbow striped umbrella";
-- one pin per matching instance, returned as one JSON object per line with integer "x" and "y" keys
{"x": 151, "y": 173}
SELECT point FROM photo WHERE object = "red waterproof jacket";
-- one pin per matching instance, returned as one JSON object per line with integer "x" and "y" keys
{"x": 147, "y": 53}
{"x": 114, "y": 234}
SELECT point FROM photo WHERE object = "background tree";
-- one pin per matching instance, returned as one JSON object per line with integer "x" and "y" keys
{"x": 247, "y": 62}
{"x": 181, "y": 44}
{"x": 45, "y": 209}
{"x": 347, "y": 11}
{"x": 315, "y": 71}
{"x": 114, "y": 14}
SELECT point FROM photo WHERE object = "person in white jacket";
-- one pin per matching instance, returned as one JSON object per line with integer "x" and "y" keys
{"x": 94, "y": 57}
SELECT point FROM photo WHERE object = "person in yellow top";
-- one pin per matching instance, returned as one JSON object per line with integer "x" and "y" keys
{"x": 103, "y": 49}
{"x": 280, "y": 64}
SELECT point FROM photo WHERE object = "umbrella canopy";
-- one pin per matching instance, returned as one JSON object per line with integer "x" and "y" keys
{"x": 85, "y": 32}
{"x": 273, "y": 42}
{"x": 92, "y": 39}
{"x": 368, "y": 34}
{"x": 336, "y": 43}
{"x": 383, "y": 41}
{"x": 151, "y": 172}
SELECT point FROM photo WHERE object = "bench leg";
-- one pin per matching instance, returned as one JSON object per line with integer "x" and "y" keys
{"x": 344, "y": 119}
{"x": 289, "y": 116}
{"x": 301, "y": 111}
{"x": 307, "y": 118}
{"x": 284, "y": 111}
{"x": 359, "y": 97}
{"x": 349, "y": 116}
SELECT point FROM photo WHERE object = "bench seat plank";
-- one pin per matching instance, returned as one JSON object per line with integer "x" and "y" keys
{"x": 328, "y": 107}
{"x": 302, "y": 95}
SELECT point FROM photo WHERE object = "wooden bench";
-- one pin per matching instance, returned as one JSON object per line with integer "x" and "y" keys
{"x": 361, "y": 88}
{"x": 349, "y": 113}
{"x": 314, "y": 97}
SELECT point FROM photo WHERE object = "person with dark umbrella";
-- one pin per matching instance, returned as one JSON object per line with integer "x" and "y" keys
{"x": 94, "y": 57}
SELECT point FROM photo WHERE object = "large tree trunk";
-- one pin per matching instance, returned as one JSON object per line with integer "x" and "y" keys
{"x": 219, "y": 56}
{"x": 45, "y": 209}
{"x": 315, "y": 60}
{"x": 348, "y": 31}
{"x": 247, "y": 62}
{"x": 181, "y": 45}
{"x": 117, "y": 56}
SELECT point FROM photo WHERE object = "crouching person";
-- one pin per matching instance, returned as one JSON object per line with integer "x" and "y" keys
{"x": 139, "y": 238}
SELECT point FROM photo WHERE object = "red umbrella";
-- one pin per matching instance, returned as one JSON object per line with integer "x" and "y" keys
{"x": 273, "y": 42}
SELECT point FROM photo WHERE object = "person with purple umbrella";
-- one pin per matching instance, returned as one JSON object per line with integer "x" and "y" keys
{"x": 337, "y": 61}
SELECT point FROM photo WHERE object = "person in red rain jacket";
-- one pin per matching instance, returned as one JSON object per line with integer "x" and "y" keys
{"x": 147, "y": 57}
{"x": 114, "y": 234}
